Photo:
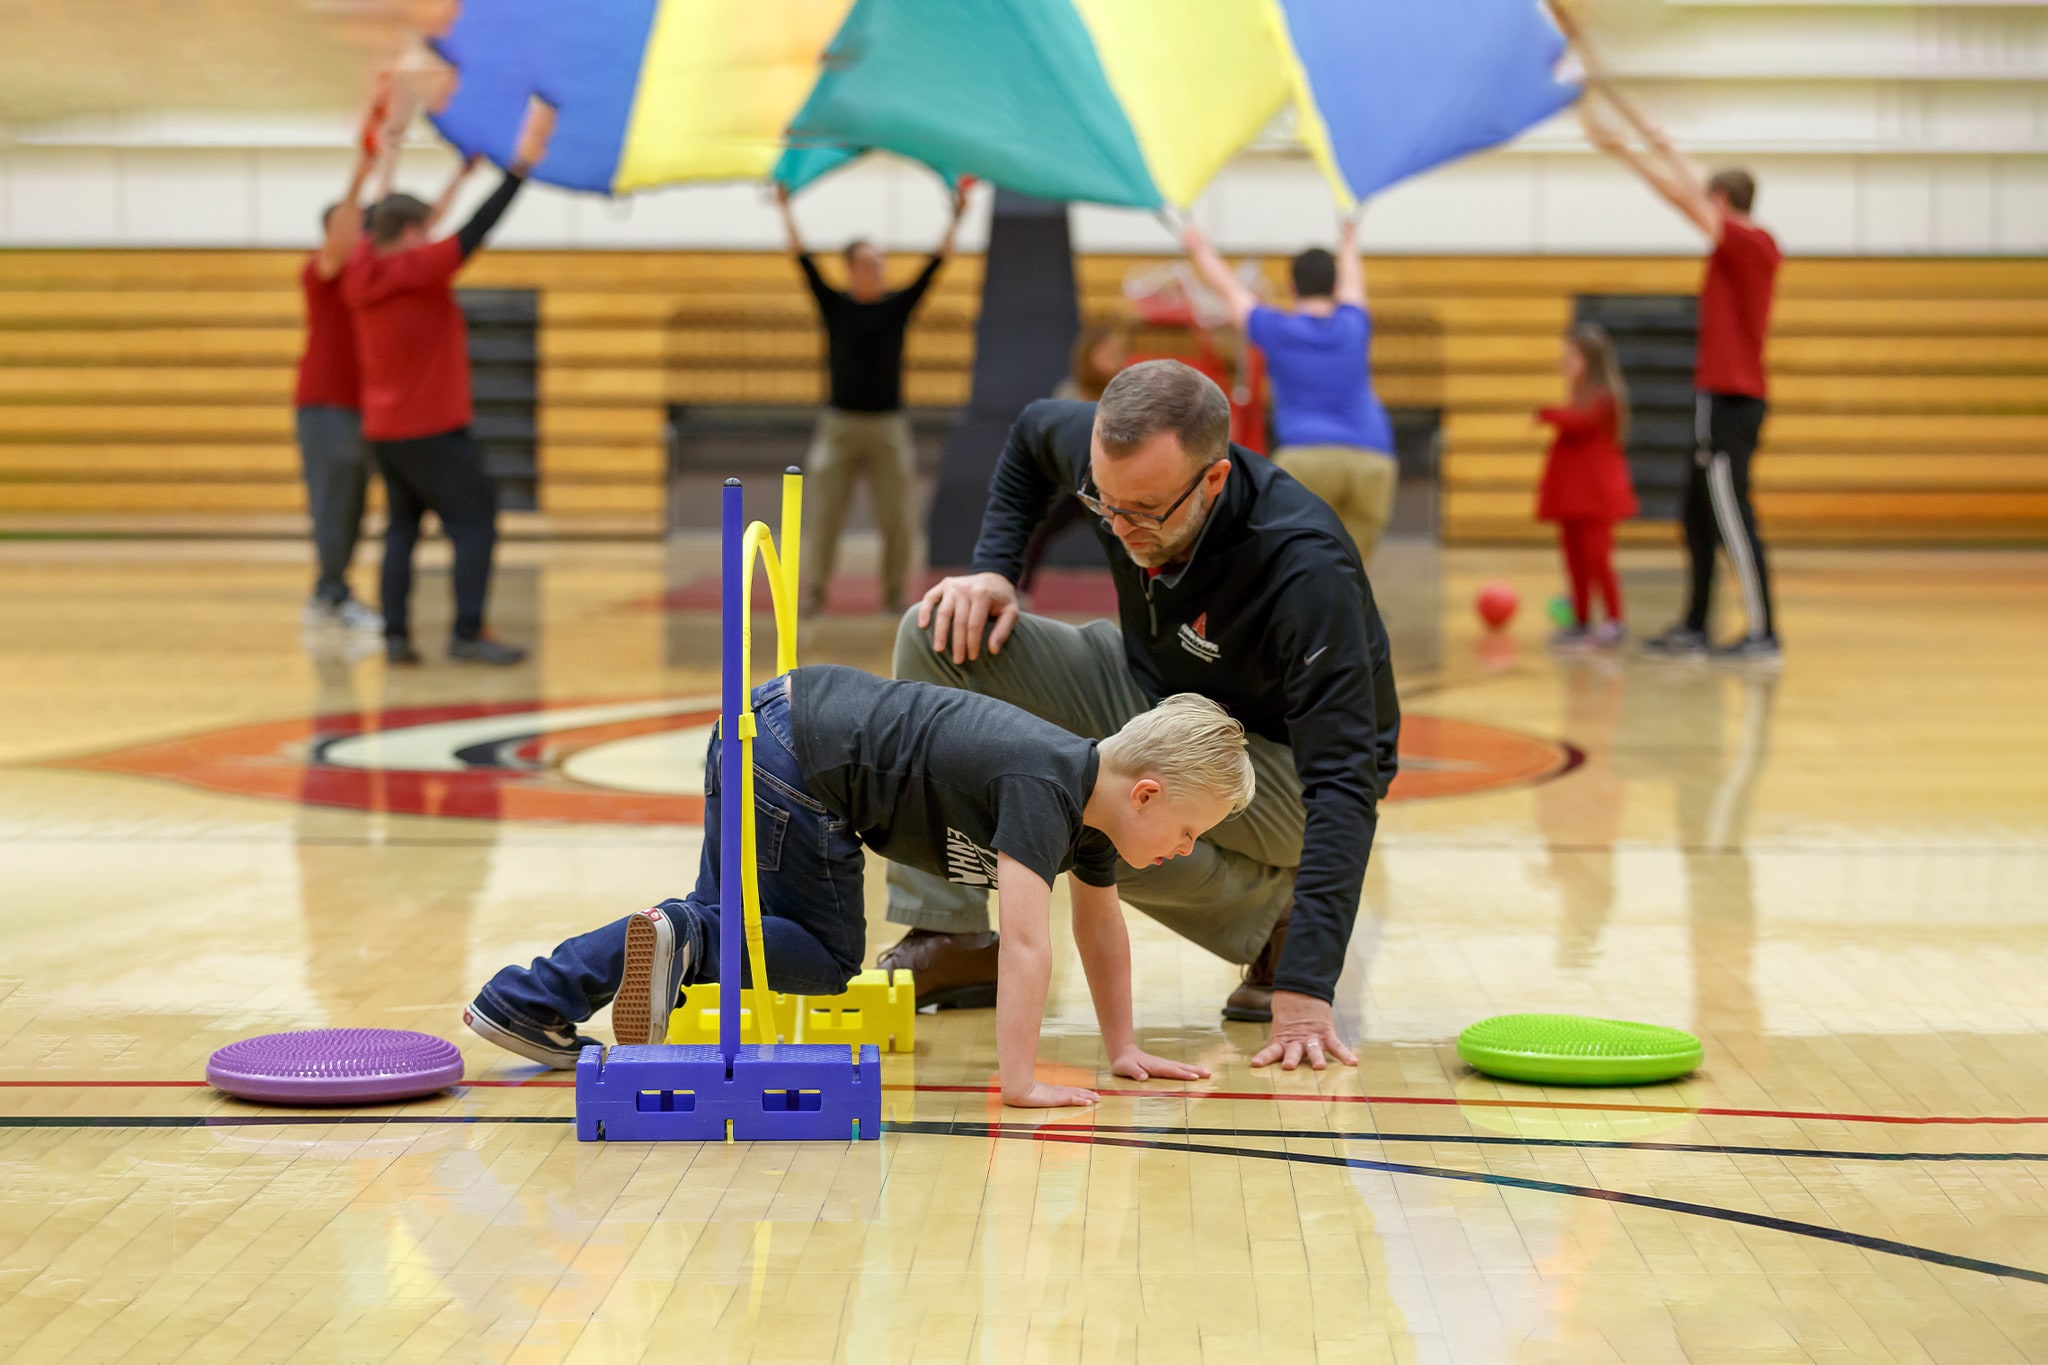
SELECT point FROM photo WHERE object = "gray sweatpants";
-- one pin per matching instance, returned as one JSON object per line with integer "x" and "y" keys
{"x": 1227, "y": 895}
{"x": 337, "y": 472}
{"x": 849, "y": 445}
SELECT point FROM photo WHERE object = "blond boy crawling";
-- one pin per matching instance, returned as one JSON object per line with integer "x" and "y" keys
{"x": 960, "y": 785}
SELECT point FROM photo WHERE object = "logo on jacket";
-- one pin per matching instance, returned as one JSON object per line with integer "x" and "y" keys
{"x": 1194, "y": 638}
{"x": 968, "y": 862}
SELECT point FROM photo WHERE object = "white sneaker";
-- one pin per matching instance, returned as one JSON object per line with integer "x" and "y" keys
{"x": 345, "y": 615}
{"x": 353, "y": 615}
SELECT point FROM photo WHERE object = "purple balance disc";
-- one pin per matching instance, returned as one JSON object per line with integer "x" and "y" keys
{"x": 335, "y": 1066}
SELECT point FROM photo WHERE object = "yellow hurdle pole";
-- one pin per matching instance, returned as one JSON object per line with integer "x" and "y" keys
{"x": 759, "y": 540}
{"x": 792, "y": 569}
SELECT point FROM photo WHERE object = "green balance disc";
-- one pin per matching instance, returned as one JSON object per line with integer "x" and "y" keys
{"x": 1565, "y": 1049}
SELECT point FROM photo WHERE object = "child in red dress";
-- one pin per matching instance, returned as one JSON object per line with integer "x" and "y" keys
{"x": 1586, "y": 486}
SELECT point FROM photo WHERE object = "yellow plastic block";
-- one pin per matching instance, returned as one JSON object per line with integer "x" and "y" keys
{"x": 696, "y": 1019}
{"x": 874, "y": 1008}
{"x": 877, "y": 1007}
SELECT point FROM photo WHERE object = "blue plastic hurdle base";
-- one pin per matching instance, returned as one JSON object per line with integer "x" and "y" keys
{"x": 789, "y": 1092}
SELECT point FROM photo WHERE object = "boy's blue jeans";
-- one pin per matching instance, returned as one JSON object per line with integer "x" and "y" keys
{"x": 813, "y": 906}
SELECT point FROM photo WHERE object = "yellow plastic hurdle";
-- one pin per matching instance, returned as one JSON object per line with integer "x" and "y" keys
{"x": 877, "y": 1007}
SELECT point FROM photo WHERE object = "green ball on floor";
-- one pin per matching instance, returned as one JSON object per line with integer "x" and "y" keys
{"x": 1568, "y": 1049}
{"x": 1561, "y": 614}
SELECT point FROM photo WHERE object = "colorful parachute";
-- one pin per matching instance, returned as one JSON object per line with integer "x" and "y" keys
{"x": 1128, "y": 102}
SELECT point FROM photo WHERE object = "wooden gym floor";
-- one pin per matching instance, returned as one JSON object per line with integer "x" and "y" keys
{"x": 1836, "y": 877}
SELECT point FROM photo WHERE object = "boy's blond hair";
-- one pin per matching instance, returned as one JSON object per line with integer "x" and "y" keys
{"x": 1187, "y": 741}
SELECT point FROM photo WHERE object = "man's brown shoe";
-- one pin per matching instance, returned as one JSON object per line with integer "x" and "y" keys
{"x": 953, "y": 971}
{"x": 1252, "y": 1001}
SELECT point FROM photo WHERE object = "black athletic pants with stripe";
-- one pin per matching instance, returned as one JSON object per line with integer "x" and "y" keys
{"x": 1717, "y": 513}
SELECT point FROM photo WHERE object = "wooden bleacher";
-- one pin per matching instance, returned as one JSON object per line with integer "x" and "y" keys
{"x": 1910, "y": 403}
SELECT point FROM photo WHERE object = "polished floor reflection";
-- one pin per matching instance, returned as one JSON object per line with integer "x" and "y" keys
{"x": 212, "y": 825}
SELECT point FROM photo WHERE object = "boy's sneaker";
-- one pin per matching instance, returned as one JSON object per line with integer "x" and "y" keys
{"x": 657, "y": 955}
{"x": 353, "y": 615}
{"x": 1751, "y": 651}
{"x": 484, "y": 650}
{"x": 1572, "y": 638}
{"x": 347, "y": 614}
{"x": 1679, "y": 642}
{"x": 1610, "y": 634}
{"x": 398, "y": 650}
{"x": 555, "y": 1047}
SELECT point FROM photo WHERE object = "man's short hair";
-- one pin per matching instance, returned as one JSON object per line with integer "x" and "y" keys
{"x": 1315, "y": 274}
{"x": 393, "y": 214}
{"x": 854, "y": 246}
{"x": 1738, "y": 187}
{"x": 1164, "y": 395}
{"x": 1188, "y": 744}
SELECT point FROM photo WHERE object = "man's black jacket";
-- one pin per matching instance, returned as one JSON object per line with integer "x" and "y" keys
{"x": 1272, "y": 618}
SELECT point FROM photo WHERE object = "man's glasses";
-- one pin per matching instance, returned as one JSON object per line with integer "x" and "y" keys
{"x": 1156, "y": 520}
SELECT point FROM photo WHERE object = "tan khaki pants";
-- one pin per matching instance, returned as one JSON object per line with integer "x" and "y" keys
{"x": 1227, "y": 895}
{"x": 849, "y": 445}
{"x": 1357, "y": 483}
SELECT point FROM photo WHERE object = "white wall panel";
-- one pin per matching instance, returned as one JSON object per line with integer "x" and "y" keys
{"x": 1963, "y": 206}
{"x": 1590, "y": 204}
{"x": 199, "y": 197}
{"x": 1810, "y": 205}
{"x": 292, "y": 186}
{"x": 64, "y": 198}
{"x": 1895, "y": 216}
{"x": 2021, "y": 215}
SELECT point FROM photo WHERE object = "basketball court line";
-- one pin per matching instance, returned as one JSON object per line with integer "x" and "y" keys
{"x": 1707, "y": 1111}
{"x": 1008, "y": 1132}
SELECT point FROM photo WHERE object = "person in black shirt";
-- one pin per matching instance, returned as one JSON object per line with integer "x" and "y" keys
{"x": 966, "y": 787}
{"x": 1233, "y": 581}
{"x": 863, "y": 431}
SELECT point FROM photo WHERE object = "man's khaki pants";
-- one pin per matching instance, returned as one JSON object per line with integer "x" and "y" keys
{"x": 849, "y": 445}
{"x": 1356, "y": 482}
{"x": 1227, "y": 895}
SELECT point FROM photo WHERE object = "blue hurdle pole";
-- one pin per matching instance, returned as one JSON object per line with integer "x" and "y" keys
{"x": 731, "y": 918}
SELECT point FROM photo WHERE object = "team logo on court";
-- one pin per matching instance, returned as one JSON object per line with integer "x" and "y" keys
{"x": 1194, "y": 638}
{"x": 968, "y": 862}
{"x": 635, "y": 762}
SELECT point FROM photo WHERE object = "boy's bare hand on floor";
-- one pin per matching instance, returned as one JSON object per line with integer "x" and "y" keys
{"x": 1043, "y": 1096}
{"x": 1143, "y": 1066}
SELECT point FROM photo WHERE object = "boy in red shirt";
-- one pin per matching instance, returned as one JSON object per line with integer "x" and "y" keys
{"x": 414, "y": 351}
{"x": 327, "y": 400}
{"x": 1734, "y": 319}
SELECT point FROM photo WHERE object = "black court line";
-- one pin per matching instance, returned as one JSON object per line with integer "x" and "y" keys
{"x": 1094, "y": 1137}
{"x": 1838, "y": 1236}
{"x": 317, "y": 1120}
{"x": 1490, "y": 1140}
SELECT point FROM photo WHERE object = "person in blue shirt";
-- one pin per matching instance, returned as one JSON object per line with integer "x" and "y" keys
{"x": 1333, "y": 434}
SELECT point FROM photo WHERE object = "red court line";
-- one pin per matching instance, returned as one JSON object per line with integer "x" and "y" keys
{"x": 1709, "y": 1111}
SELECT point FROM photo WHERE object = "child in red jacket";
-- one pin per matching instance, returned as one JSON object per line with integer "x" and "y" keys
{"x": 1586, "y": 486}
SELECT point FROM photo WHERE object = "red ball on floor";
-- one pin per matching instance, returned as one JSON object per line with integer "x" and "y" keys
{"x": 1496, "y": 605}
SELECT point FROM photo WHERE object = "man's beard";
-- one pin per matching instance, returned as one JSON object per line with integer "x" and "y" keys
{"x": 1176, "y": 547}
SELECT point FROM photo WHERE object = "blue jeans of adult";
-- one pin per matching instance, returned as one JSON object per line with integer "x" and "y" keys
{"x": 813, "y": 906}
{"x": 337, "y": 473}
{"x": 445, "y": 475}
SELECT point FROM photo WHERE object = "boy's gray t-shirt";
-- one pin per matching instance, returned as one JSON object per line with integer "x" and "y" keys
{"x": 942, "y": 780}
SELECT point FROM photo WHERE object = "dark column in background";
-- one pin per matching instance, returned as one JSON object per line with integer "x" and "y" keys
{"x": 1029, "y": 315}
{"x": 504, "y": 361}
{"x": 1655, "y": 337}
